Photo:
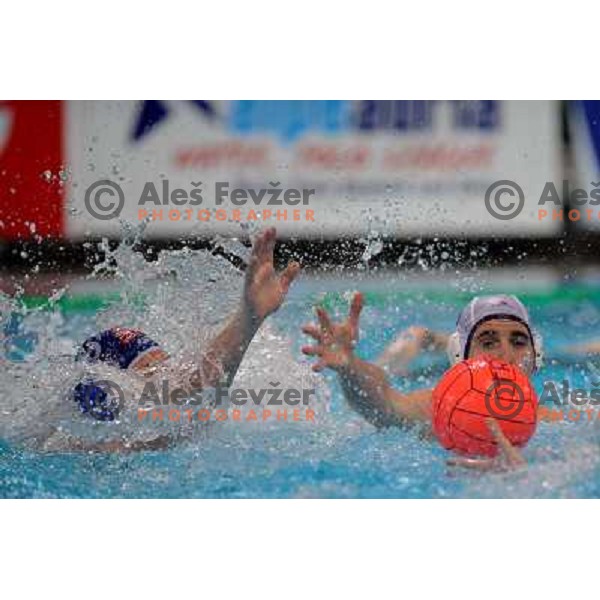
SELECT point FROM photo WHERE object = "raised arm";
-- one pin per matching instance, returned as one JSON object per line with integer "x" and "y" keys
{"x": 365, "y": 385}
{"x": 264, "y": 292}
{"x": 398, "y": 355}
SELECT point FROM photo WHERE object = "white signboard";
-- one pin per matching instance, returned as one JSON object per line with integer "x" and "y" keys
{"x": 311, "y": 168}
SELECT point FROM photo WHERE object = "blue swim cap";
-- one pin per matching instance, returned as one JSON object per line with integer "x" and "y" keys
{"x": 94, "y": 401}
{"x": 117, "y": 346}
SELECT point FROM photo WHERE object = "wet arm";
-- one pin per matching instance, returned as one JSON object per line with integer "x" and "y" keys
{"x": 226, "y": 351}
{"x": 264, "y": 292}
{"x": 368, "y": 391}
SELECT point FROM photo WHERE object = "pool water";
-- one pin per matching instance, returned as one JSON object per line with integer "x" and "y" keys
{"x": 340, "y": 456}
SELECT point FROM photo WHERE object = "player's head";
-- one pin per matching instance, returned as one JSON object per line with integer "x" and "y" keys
{"x": 123, "y": 348}
{"x": 119, "y": 347}
{"x": 497, "y": 326}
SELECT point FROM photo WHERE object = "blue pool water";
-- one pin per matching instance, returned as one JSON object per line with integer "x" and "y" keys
{"x": 340, "y": 456}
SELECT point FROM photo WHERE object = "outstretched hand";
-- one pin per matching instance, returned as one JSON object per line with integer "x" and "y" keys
{"x": 335, "y": 341}
{"x": 508, "y": 457}
{"x": 264, "y": 289}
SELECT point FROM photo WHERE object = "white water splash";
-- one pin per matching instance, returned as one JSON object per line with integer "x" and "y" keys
{"x": 181, "y": 300}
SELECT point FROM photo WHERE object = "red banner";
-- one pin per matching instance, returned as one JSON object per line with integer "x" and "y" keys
{"x": 31, "y": 169}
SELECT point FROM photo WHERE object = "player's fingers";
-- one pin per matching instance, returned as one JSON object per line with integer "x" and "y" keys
{"x": 355, "y": 308}
{"x": 251, "y": 266}
{"x": 497, "y": 433}
{"x": 313, "y": 331}
{"x": 324, "y": 319}
{"x": 479, "y": 464}
{"x": 269, "y": 240}
{"x": 258, "y": 245}
{"x": 511, "y": 454}
{"x": 290, "y": 273}
{"x": 312, "y": 350}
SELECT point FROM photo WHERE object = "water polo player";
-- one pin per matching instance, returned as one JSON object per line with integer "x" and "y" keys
{"x": 410, "y": 343}
{"x": 497, "y": 326}
{"x": 132, "y": 350}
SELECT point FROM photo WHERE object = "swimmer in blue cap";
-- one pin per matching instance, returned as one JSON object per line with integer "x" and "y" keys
{"x": 497, "y": 326}
{"x": 130, "y": 349}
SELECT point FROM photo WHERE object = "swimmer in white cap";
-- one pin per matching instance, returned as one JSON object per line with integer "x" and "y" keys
{"x": 497, "y": 326}
{"x": 415, "y": 340}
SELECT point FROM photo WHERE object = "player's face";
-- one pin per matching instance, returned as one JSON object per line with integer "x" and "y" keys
{"x": 505, "y": 340}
